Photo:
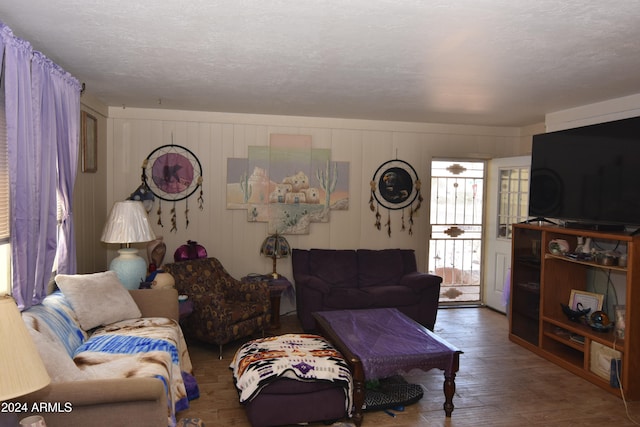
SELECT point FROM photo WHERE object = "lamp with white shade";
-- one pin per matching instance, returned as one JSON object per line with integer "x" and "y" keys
{"x": 21, "y": 368}
{"x": 128, "y": 223}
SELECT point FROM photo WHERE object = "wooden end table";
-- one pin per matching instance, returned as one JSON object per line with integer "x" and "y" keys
{"x": 276, "y": 288}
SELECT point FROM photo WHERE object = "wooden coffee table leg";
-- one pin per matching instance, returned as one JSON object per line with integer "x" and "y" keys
{"x": 450, "y": 384}
{"x": 449, "y": 391}
{"x": 357, "y": 374}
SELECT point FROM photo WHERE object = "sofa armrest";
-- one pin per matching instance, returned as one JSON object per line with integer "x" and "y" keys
{"x": 157, "y": 302}
{"x": 314, "y": 283}
{"x": 106, "y": 402}
{"x": 420, "y": 281}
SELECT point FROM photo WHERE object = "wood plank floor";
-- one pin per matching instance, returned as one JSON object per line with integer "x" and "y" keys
{"x": 499, "y": 384}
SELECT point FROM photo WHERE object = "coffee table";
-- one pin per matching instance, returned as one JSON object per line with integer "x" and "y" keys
{"x": 381, "y": 342}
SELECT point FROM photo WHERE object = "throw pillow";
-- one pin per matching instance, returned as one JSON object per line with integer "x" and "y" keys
{"x": 98, "y": 298}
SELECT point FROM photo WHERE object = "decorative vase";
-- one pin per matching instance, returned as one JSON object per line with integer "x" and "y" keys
{"x": 130, "y": 267}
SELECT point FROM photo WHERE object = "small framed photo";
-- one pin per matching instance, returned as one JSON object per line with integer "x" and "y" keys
{"x": 89, "y": 142}
{"x": 586, "y": 300}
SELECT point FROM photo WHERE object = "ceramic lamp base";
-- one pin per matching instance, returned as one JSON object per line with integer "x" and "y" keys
{"x": 130, "y": 267}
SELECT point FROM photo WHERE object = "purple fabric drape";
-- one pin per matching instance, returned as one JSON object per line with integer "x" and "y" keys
{"x": 67, "y": 96}
{"x": 42, "y": 112}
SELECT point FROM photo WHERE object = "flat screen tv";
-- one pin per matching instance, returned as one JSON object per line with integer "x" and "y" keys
{"x": 588, "y": 176}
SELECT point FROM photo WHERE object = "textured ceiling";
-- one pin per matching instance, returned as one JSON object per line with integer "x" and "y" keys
{"x": 492, "y": 62}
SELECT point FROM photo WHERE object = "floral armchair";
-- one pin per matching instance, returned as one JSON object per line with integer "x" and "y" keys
{"x": 224, "y": 308}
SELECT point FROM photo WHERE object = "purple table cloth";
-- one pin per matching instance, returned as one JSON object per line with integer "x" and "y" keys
{"x": 388, "y": 342}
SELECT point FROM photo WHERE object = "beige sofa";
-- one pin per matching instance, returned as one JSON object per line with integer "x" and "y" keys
{"x": 89, "y": 397}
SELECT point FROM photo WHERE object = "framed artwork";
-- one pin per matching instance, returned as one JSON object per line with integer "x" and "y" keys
{"x": 586, "y": 300}
{"x": 89, "y": 142}
{"x": 287, "y": 184}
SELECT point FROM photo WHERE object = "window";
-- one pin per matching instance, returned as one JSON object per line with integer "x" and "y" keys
{"x": 513, "y": 197}
{"x": 5, "y": 248}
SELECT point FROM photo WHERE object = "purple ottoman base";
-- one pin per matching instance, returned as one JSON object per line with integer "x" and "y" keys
{"x": 288, "y": 401}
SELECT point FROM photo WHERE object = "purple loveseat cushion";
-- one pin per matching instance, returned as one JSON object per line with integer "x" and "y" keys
{"x": 379, "y": 267}
{"x": 338, "y": 267}
{"x": 345, "y": 298}
{"x": 390, "y": 296}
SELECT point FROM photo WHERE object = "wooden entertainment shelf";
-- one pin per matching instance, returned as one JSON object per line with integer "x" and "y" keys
{"x": 542, "y": 281}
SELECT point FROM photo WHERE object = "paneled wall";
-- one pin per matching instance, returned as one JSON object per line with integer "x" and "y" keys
{"x": 215, "y": 137}
{"x": 90, "y": 197}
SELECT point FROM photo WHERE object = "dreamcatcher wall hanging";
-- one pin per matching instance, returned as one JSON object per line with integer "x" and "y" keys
{"x": 395, "y": 186}
{"x": 171, "y": 173}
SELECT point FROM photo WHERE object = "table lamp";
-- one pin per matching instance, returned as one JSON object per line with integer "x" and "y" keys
{"x": 275, "y": 246}
{"x": 21, "y": 368}
{"x": 128, "y": 223}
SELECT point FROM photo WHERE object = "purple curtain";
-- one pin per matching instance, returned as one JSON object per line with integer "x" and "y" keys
{"x": 42, "y": 112}
{"x": 67, "y": 97}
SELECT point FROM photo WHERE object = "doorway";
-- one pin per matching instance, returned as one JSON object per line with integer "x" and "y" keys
{"x": 456, "y": 217}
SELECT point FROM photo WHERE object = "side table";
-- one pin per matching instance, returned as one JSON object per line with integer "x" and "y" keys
{"x": 276, "y": 288}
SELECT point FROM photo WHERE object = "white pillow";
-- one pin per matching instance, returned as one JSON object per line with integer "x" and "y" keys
{"x": 98, "y": 298}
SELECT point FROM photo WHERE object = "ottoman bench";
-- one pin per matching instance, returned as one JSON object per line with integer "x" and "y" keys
{"x": 291, "y": 379}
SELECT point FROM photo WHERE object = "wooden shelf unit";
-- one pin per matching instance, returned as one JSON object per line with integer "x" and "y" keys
{"x": 541, "y": 281}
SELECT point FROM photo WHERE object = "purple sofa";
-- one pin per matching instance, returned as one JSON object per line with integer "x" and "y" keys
{"x": 338, "y": 279}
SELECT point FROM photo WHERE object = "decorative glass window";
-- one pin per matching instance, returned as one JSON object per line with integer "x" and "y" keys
{"x": 513, "y": 199}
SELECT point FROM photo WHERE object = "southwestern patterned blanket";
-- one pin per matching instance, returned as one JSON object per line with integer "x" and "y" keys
{"x": 302, "y": 357}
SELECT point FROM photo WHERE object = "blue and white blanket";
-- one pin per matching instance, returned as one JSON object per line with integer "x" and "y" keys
{"x": 147, "y": 347}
